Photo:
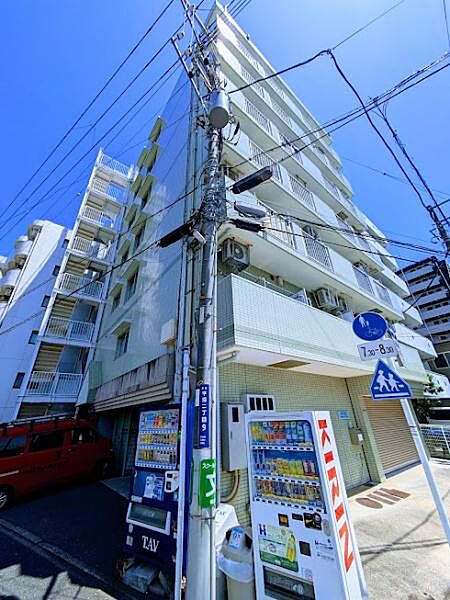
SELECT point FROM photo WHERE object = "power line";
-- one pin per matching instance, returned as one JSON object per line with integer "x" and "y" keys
{"x": 90, "y": 104}
{"x": 349, "y": 37}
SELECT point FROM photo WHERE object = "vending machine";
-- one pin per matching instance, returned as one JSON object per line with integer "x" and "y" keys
{"x": 152, "y": 513}
{"x": 303, "y": 540}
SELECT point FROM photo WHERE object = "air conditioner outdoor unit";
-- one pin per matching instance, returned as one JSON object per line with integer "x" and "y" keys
{"x": 342, "y": 304}
{"x": 235, "y": 254}
{"x": 326, "y": 300}
{"x": 302, "y": 296}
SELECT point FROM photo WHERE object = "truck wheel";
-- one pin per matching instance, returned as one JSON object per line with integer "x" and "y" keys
{"x": 5, "y": 497}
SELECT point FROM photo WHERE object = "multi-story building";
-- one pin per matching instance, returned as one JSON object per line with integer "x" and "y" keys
{"x": 286, "y": 296}
{"x": 27, "y": 280}
{"x": 65, "y": 327}
{"x": 428, "y": 281}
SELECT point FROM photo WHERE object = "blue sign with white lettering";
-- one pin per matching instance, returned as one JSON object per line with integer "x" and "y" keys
{"x": 369, "y": 326}
{"x": 203, "y": 417}
{"x": 387, "y": 384}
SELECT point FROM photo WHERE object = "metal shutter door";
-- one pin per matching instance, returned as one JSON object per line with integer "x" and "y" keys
{"x": 394, "y": 441}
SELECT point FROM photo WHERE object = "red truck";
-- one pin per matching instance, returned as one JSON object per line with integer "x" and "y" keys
{"x": 40, "y": 453}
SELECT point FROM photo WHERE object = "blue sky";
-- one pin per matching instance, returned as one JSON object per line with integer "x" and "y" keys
{"x": 54, "y": 56}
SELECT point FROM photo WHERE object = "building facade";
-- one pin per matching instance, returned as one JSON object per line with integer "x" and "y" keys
{"x": 286, "y": 296}
{"x": 51, "y": 378}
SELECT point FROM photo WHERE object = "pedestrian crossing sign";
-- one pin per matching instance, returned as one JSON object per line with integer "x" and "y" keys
{"x": 387, "y": 384}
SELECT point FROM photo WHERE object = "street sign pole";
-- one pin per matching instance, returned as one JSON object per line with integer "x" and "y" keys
{"x": 371, "y": 327}
{"x": 418, "y": 441}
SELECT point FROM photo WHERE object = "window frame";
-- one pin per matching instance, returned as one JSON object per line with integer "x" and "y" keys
{"x": 20, "y": 375}
{"x": 45, "y": 301}
{"x": 131, "y": 285}
{"x": 122, "y": 342}
{"x": 33, "y": 336}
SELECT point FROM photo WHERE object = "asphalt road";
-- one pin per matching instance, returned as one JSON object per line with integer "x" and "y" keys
{"x": 63, "y": 544}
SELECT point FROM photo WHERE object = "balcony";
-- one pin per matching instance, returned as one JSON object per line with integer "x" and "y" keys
{"x": 97, "y": 217}
{"x": 79, "y": 332}
{"x": 439, "y": 311}
{"x": 411, "y": 338}
{"x": 22, "y": 249}
{"x": 51, "y": 383}
{"x": 91, "y": 249}
{"x": 9, "y": 281}
{"x": 115, "y": 168}
{"x": 75, "y": 285}
{"x": 109, "y": 190}
{"x": 318, "y": 251}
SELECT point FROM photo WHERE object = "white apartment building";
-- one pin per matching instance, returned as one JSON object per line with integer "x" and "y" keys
{"x": 286, "y": 296}
{"x": 64, "y": 331}
{"x": 27, "y": 280}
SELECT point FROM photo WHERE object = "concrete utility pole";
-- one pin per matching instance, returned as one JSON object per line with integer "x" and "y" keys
{"x": 203, "y": 72}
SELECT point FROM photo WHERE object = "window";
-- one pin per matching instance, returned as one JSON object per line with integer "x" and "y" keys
{"x": 138, "y": 238}
{"x": 65, "y": 243}
{"x": 47, "y": 441}
{"x": 18, "y": 380}
{"x": 83, "y": 435}
{"x": 122, "y": 343}
{"x": 45, "y": 301}
{"x": 440, "y": 361}
{"x": 33, "y": 336}
{"x": 12, "y": 446}
{"x": 115, "y": 302}
{"x": 56, "y": 269}
{"x": 131, "y": 286}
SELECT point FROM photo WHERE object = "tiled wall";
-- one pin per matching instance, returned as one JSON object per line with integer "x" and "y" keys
{"x": 294, "y": 391}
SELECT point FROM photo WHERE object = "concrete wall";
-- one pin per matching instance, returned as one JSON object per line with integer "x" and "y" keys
{"x": 156, "y": 298}
{"x": 36, "y": 281}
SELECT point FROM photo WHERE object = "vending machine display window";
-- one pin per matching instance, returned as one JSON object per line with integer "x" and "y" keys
{"x": 157, "y": 445}
{"x": 149, "y": 517}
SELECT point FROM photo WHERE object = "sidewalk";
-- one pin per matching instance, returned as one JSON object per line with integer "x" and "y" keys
{"x": 404, "y": 552}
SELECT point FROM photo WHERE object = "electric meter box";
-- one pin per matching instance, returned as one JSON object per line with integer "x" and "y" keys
{"x": 356, "y": 436}
{"x": 233, "y": 437}
{"x": 303, "y": 540}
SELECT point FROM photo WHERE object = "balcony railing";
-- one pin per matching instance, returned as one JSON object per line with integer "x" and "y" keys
{"x": 83, "y": 286}
{"x": 98, "y": 217}
{"x": 363, "y": 280}
{"x": 262, "y": 160}
{"x": 109, "y": 189}
{"x": 70, "y": 330}
{"x": 318, "y": 251}
{"x": 382, "y": 293}
{"x": 257, "y": 87}
{"x": 300, "y": 191}
{"x": 258, "y": 116}
{"x": 114, "y": 165}
{"x": 51, "y": 383}
{"x": 91, "y": 249}
{"x": 281, "y": 229}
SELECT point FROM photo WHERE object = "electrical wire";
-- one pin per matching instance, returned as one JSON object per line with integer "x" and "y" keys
{"x": 90, "y": 104}
{"x": 447, "y": 30}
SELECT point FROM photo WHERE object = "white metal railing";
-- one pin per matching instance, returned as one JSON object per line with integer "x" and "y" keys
{"x": 382, "y": 293}
{"x": 291, "y": 149}
{"x": 363, "y": 280}
{"x": 330, "y": 186}
{"x": 258, "y": 116}
{"x": 437, "y": 440}
{"x": 109, "y": 189}
{"x": 321, "y": 154}
{"x": 68, "y": 329}
{"x": 281, "y": 112}
{"x": 262, "y": 160}
{"x": 299, "y": 190}
{"x": 84, "y": 286}
{"x": 284, "y": 230}
{"x": 251, "y": 59}
{"x": 114, "y": 165}
{"x": 98, "y": 217}
{"x": 257, "y": 87}
{"x": 317, "y": 251}
{"x": 91, "y": 249}
{"x": 51, "y": 383}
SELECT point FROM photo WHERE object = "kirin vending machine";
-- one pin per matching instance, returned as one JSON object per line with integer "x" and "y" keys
{"x": 303, "y": 540}
{"x": 153, "y": 508}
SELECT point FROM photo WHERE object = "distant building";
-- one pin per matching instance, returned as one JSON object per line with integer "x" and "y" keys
{"x": 53, "y": 289}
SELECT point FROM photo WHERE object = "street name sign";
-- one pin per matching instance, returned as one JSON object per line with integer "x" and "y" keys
{"x": 387, "y": 384}
{"x": 380, "y": 348}
{"x": 369, "y": 326}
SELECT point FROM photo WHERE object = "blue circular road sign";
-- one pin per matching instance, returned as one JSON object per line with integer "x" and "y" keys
{"x": 369, "y": 326}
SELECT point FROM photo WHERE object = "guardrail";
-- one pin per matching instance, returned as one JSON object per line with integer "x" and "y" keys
{"x": 68, "y": 329}
{"x": 91, "y": 249}
{"x": 437, "y": 440}
{"x": 80, "y": 285}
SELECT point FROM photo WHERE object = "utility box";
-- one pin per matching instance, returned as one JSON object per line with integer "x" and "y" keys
{"x": 356, "y": 436}
{"x": 233, "y": 437}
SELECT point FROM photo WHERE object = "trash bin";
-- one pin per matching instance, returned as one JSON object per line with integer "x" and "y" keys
{"x": 235, "y": 559}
